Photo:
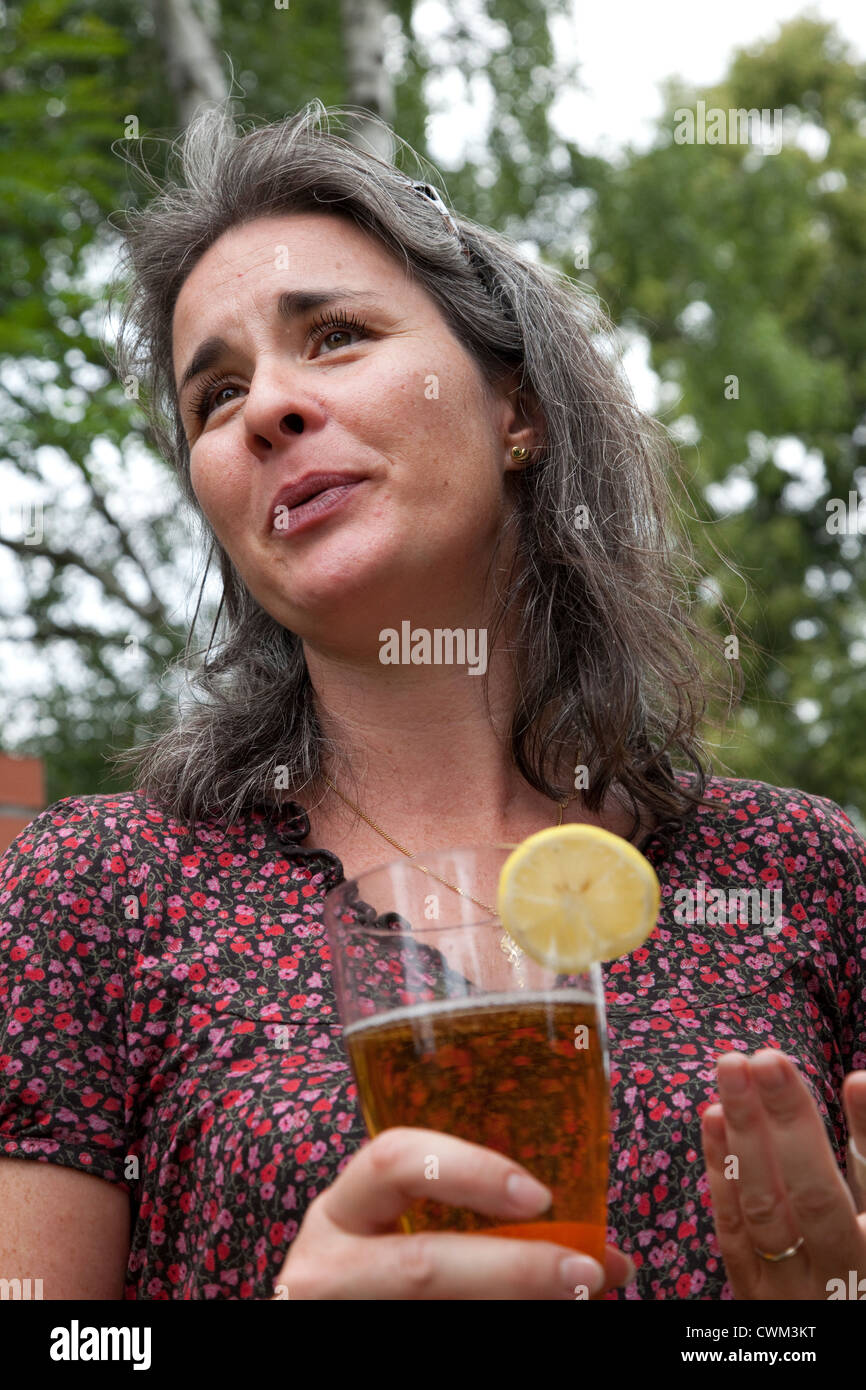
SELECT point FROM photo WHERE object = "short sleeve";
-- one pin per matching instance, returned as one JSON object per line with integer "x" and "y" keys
{"x": 63, "y": 1092}
{"x": 840, "y": 895}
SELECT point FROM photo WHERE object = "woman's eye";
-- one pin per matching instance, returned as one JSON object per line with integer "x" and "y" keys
{"x": 337, "y": 332}
{"x": 211, "y": 391}
{"x": 335, "y": 326}
{"x": 207, "y": 396}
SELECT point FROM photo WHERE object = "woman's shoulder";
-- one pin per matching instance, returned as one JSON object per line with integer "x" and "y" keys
{"x": 67, "y": 861}
{"x": 89, "y": 853}
{"x": 744, "y": 816}
{"x": 123, "y": 817}
{"x": 80, "y": 829}
{"x": 103, "y": 810}
{"x": 742, "y": 800}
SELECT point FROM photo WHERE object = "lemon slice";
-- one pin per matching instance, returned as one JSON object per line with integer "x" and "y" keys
{"x": 572, "y": 895}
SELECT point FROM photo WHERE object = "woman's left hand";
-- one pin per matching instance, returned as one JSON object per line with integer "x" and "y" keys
{"x": 773, "y": 1178}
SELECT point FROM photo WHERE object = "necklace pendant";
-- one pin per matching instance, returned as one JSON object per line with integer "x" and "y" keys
{"x": 509, "y": 948}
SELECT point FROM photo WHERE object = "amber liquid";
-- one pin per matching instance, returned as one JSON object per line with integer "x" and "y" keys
{"x": 504, "y": 1072}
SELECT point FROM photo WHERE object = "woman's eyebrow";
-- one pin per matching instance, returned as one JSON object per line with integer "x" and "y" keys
{"x": 290, "y": 305}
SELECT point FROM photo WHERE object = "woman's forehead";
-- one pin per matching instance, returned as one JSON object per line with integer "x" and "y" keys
{"x": 309, "y": 240}
{"x": 294, "y": 251}
{"x": 285, "y": 265}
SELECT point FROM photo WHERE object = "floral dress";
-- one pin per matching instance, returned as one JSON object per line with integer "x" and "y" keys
{"x": 168, "y": 1022}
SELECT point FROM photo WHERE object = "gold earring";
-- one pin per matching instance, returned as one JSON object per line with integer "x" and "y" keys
{"x": 519, "y": 454}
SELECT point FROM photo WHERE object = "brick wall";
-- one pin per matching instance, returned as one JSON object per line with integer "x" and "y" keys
{"x": 22, "y": 795}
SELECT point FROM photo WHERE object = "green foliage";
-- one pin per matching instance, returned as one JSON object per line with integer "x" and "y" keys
{"x": 69, "y": 79}
{"x": 772, "y": 245}
{"x": 771, "y": 248}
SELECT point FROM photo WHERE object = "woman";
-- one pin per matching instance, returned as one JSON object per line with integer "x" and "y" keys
{"x": 383, "y": 418}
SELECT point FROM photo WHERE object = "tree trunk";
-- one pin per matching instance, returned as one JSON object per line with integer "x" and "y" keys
{"x": 368, "y": 82}
{"x": 195, "y": 72}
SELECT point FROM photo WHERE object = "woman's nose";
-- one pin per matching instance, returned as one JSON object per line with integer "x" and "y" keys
{"x": 276, "y": 407}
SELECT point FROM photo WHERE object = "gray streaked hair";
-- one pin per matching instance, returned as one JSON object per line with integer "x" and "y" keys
{"x": 610, "y": 660}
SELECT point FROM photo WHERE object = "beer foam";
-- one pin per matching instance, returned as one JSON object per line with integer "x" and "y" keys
{"x": 474, "y": 1003}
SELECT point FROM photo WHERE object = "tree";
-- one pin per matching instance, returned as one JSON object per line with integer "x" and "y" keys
{"x": 192, "y": 66}
{"x": 745, "y": 269}
{"x": 76, "y": 84}
{"x": 734, "y": 264}
{"x": 67, "y": 430}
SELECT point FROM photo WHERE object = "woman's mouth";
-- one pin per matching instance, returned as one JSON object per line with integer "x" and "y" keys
{"x": 289, "y": 520}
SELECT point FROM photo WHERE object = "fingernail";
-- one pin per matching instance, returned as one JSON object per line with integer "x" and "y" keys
{"x": 581, "y": 1269}
{"x": 632, "y": 1271}
{"x": 736, "y": 1078}
{"x": 528, "y": 1194}
{"x": 770, "y": 1074}
{"x": 857, "y": 1168}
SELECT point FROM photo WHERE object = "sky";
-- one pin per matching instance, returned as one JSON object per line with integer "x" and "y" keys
{"x": 666, "y": 38}
{"x": 626, "y": 49}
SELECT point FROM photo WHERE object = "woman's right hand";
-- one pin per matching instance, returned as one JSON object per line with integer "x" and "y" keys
{"x": 349, "y": 1246}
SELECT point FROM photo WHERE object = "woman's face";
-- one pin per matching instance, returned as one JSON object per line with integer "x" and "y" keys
{"x": 397, "y": 408}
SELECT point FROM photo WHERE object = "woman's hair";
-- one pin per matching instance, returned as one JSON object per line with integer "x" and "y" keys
{"x": 608, "y": 659}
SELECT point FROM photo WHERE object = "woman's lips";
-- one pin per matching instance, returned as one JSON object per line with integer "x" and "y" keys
{"x": 306, "y": 514}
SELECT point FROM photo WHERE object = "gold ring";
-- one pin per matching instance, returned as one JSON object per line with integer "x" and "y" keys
{"x": 786, "y": 1254}
{"x": 857, "y": 1174}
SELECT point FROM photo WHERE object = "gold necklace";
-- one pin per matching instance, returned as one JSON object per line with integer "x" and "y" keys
{"x": 508, "y": 945}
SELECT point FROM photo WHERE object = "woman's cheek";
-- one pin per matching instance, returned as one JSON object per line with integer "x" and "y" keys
{"x": 213, "y": 485}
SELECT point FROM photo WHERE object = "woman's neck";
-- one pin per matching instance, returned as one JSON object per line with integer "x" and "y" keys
{"x": 423, "y": 744}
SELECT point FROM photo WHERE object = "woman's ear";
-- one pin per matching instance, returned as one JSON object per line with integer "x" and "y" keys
{"x": 524, "y": 425}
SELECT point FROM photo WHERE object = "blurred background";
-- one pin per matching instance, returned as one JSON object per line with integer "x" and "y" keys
{"x": 735, "y": 274}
